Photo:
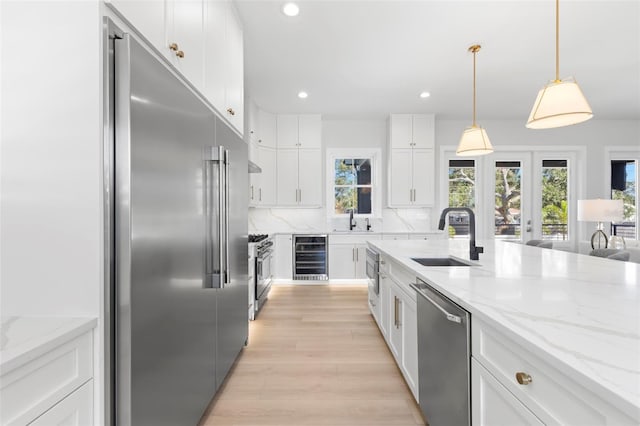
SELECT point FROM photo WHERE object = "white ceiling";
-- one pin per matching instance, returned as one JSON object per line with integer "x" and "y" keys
{"x": 360, "y": 59}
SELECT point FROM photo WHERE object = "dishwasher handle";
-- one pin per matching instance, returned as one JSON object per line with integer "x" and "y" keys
{"x": 450, "y": 317}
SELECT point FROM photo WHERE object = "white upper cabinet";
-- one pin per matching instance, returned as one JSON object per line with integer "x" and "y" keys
{"x": 287, "y": 177}
{"x": 309, "y": 177}
{"x": 202, "y": 39}
{"x": 185, "y": 39}
{"x": 412, "y": 131}
{"x": 299, "y": 131}
{"x": 224, "y": 61}
{"x": 148, "y": 17}
{"x": 267, "y": 136}
{"x": 411, "y": 161}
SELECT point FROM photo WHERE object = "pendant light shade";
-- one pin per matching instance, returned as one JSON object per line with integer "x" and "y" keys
{"x": 561, "y": 102}
{"x": 474, "y": 140}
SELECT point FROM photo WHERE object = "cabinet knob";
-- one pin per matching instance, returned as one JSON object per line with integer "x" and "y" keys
{"x": 174, "y": 47}
{"x": 231, "y": 111}
{"x": 259, "y": 140}
{"x": 523, "y": 378}
{"x": 180, "y": 54}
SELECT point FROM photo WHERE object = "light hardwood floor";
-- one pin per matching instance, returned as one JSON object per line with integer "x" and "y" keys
{"x": 315, "y": 357}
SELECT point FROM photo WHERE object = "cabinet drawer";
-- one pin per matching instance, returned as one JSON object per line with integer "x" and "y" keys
{"x": 352, "y": 238}
{"x": 551, "y": 395}
{"x": 33, "y": 388}
{"x": 401, "y": 276}
{"x": 75, "y": 410}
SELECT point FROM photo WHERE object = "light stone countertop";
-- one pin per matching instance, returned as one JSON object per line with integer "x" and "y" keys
{"x": 24, "y": 338}
{"x": 579, "y": 313}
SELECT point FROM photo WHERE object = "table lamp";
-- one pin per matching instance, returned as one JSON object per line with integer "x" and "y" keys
{"x": 599, "y": 211}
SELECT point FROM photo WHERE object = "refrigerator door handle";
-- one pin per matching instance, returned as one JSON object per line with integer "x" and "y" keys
{"x": 226, "y": 219}
{"x": 213, "y": 272}
{"x": 221, "y": 217}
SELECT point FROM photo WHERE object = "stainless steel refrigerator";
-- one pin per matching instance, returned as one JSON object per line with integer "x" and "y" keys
{"x": 177, "y": 241}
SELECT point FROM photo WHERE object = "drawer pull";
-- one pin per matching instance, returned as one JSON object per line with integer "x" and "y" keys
{"x": 523, "y": 378}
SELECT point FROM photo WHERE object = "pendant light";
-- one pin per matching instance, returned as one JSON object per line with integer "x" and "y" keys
{"x": 561, "y": 102}
{"x": 474, "y": 140}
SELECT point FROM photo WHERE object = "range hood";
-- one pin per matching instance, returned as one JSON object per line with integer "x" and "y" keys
{"x": 254, "y": 168}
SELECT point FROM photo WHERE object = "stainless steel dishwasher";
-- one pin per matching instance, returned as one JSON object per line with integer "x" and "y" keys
{"x": 443, "y": 358}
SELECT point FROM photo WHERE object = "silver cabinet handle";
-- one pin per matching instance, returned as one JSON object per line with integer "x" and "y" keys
{"x": 450, "y": 316}
{"x": 357, "y": 254}
{"x": 353, "y": 255}
{"x": 260, "y": 194}
{"x": 300, "y": 194}
{"x": 395, "y": 311}
{"x": 252, "y": 192}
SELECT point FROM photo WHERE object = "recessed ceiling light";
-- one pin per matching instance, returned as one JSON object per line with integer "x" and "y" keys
{"x": 303, "y": 95}
{"x": 424, "y": 95}
{"x": 290, "y": 9}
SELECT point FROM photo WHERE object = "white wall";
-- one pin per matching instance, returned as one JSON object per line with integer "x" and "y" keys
{"x": 50, "y": 224}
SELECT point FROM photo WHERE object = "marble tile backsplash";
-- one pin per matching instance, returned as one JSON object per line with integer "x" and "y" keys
{"x": 276, "y": 220}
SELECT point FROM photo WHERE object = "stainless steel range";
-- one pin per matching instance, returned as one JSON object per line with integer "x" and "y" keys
{"x": 263, "y": 268}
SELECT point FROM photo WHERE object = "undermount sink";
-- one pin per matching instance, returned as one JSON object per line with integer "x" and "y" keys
{"x": 439, "y": 261}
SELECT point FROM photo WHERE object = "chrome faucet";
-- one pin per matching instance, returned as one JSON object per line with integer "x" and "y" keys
{"x": 352, "y": 222}
{"x": 473, "y": 250}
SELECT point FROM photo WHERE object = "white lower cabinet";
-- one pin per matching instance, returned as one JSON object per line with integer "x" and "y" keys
{"x": 493, "y": 404}
{"x": 374, "y": 304}
{"x": 347, "y": 261}
{"x": 51, "y": 389}
{"x": 398, "y": 321}
{"x": 549, "y": 393}
{"x": 74, "y": 410}
{"x": 284, "y": 257}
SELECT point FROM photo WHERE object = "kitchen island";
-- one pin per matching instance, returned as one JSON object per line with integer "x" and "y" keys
{"x": 572, "y": 322}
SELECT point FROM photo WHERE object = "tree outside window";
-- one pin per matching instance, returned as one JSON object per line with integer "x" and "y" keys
{"x": 352, "y": 185}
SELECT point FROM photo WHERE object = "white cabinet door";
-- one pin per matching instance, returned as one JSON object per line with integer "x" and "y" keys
{"x": 401, "y": 131}
{"x": 252, "y": 123}
{"x": 309, "y": 131}
{"x": 74, "y": 410}
{"x": 395, "y": 321}
{"x": 268, "y": 135}
{"x": 287, "y": 131}
{"x": 310, "y": 177}
{"x": 284, "y": 257}
{"x": 148, "y": 17}
{"x": 423, "y": 131}
{"x": 185, "y": 29}
{"x": 423, "y": 177}
{"x": 215, "y": 57}
{"x": 409, "y": 328}
{"x": 254, "y": 178}
{"x": 493, "y": 404}
{"x": 385, "y": 305}
{"x": 234, "y": 81}
{"x": 287, "y": 177}
{"x": 268, "y": 179}
{"x": 341, "y": 261}
{"x": 400, "y": 187}
{"x": 361, "y": 261}
{"x": 374, "y": 305}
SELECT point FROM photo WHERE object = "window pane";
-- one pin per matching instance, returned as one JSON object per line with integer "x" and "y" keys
{"x": 507, "y": 205}
{"x": 462, "y": 184}
{"x": 344, "y": 172}
{"x": 345, "y": 200}
{"x": 624, "y": 187}
{"x": 363, "y": 171}
{"x": 363, "y": 201}
{"x": 554, "y": 200}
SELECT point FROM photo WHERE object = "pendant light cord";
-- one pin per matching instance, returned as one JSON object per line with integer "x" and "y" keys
{"x": 474, "y": 49}
{"x": 557, "y": 41}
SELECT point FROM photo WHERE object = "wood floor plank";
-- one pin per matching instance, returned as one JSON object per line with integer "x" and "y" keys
{"x": 315, "y": 357}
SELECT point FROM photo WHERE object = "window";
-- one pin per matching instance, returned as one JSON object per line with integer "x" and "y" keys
{"x": 624, "y": 186}
{"x": 555, "y": 196}
{"x": 353, "y": 185}
{"x": 507, "y": 212}
{"x": 462, "y": 193}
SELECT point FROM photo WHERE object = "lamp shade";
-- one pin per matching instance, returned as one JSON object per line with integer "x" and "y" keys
{"x": 600, "y": 210}
{"x": 559, "y": 103}
{"x": 474, "y": 141}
